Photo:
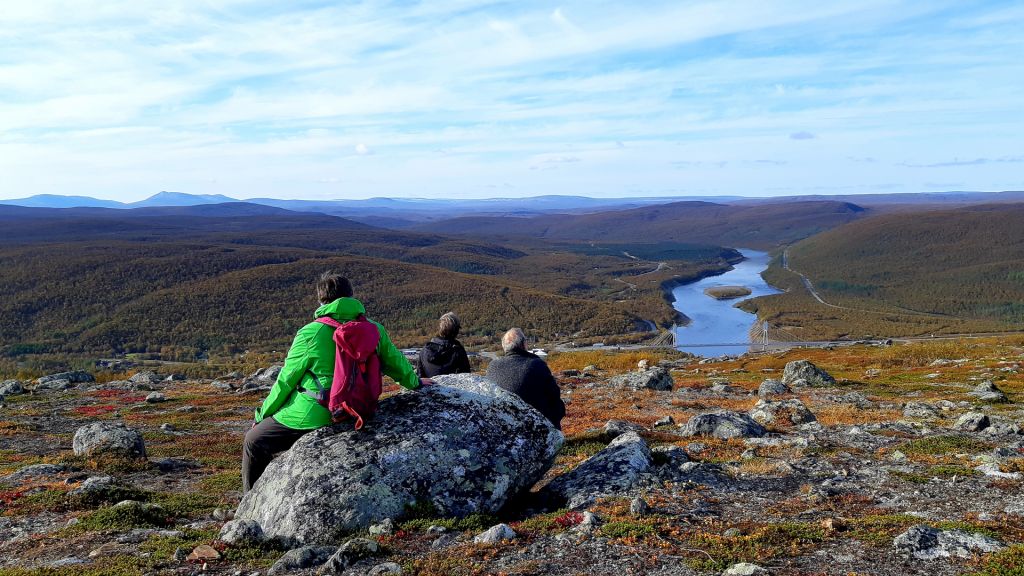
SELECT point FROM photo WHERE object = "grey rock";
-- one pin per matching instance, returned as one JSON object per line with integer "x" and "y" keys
{"x": 385, "y": 569}
{"x": 972, "y": 422}
{"x": 670, "y": 454}
{"x": 74, "y": 377}
{"x": 96, "y": 486}
{"x": 156, "y": 398}
{"x": 495, "y": 534}
{"x": 242, "y": 532}
{"x": 12, "y": 388}
{"x": 639, "y": 507}
{"x": 927, "y": 543}
{"x": 464, "y": 445}
{"x": 180, "y": 555}
{"x": 987, "y": 391}
{"x": 856, "y": 398}
{"x": 784, "y": 412}
{"x": 170, "y": 465}
{"x": 53, "y": 386}
{"x": 745, "y": 569}
{"x": 108, "y": 438}
{"x": 772, "y": 387}
{"x": 384, "y": 528}
{"x": 32, "y": 472}
{"x": 611, "y": 472}
{"x": 615, "y": 428}
{"x": 808, "y": 372}
{"x": 920, "y": 411}
{"x": 302, "y": 558}
{"x": 348, "y": 554}
{"x": 69, "y": 561}
{"x": 724, "y": 425}
{"x": 146, "y": 377}
{"x": 656, "y": 378}
{"x": 443, "y": 541}
{"x": 664, "y": 421}
{"x": 168, "y": 428}
{"x": 262, "y": 378}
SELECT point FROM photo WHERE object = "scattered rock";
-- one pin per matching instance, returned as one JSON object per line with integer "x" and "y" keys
{"x": 12, "y": 388}
{"x": 108, "y": 438}
{"x": 156, "y": 398}
{"x": 203, "y": 553}
{"x": 146, "y": 377}
{"x": 855, "y": 398}
{"x": 53, "y": 386}
{"x": 73, "y": 377}
{"x": 385, "y": 528}
{"x": 808, "y": 372}
{"x": 745, "y": 569}
{"x": 171, "y": 465}
{"x": 920, "y": 411}
{"x": 32, "y": 472}
{"x": 722, "y": 424}
{"x": 495, "y": 534}
{"x": 611, "y": 472}
{"x": 664, "y": 421}
{"x": 262, "y": 378}
{"x": 639, "y": 507}
{"x": 464, "y": 445}
{"x": 972, "y": 422}
{"x": 242, "y": 532}
{"x": 168, "y": 428}
{"x": 987, "y": 391}
{"x": 615, "y": 428}
{"x": 781, "y": 412}
{"x": 385, "y": 569}
{"x": 350, "y": 552}
{"x": 927, "y": 543}
{"x": 772, "y": 387}
{"x": 656, "y": 378}
{"x": 302, "y": 558}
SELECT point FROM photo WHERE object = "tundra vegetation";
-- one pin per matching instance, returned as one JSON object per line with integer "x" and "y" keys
{"x": 885, "y": 452}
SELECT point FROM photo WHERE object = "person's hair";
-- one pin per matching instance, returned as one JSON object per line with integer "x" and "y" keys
{"x": 332, "y": 286}
{"x": 448, "y": 326}
{"x": 514, "y": 339}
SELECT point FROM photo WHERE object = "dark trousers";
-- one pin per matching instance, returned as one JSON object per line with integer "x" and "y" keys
{"x": 262, "y": 442}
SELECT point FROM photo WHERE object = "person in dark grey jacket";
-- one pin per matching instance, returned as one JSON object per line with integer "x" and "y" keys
{"x": 528, "y": 376}
{"x": 444, "y": 354}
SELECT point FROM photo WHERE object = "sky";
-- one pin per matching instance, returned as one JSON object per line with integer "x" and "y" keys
{"x": 458, "y": 99}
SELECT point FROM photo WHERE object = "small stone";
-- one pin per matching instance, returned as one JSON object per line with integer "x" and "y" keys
{"x": 656, "y": 378}
{"x": 301, "y": 559}
{"x": 435, "y": 529}
{"x": 927, "y": 543}
{"x": 803, "y": 373}
{"x": 385, "y": 569}
{"x": 156, "y": 398}
{"x": 745, "y": 569}
{"x": 350, "y": 552}
{"x": 615, "y": 428}
{"x": 167, "y": 427}
{"x": 179, "y": 555}
{"x": 495, "y": 534}
{"x": 242, "y": 532}
{"x": 732, "y": 533}
{"x": 920, "y": 411}
{"x": 772, "y": 387}
{"x": 972, "y": 422}
{"x": 639, "y": 507}
{"x": 987, "y": 391}
{"x": 664, "y": 421}
{"x": 108, "y": 438}
{"x": 442, "y": 542}
{"x": 722, "y": 424}
{"x": 384, "y": 528}
{"x": 202, "y": 553}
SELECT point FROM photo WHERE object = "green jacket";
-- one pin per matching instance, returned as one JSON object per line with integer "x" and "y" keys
{"x": 313, "y": 351}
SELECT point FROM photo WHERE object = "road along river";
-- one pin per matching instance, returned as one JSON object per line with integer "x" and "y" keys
{"x": 718, "y": 322}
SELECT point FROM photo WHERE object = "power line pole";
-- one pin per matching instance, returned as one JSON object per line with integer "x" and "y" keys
{"x": 764, "y": 336}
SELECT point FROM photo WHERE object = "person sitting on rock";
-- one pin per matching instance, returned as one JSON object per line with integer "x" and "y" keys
{"x": 291, "y": 410}
{"x": 526, "y": 375}
{"x": 444, "y": 354}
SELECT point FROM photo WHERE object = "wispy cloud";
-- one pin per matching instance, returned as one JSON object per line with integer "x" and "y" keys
{"x": 263, "y": 98}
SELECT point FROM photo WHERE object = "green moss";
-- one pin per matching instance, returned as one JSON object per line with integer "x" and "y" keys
{"x": 584, "y": 445}
{"x": 187, "y": 506}
{"x": 222, "y": 483}
{"x": 112, "y": 566}
{"x": 629, "y": 529}
{"x": 122, "y": 518}
{"x": 944, "y": 445}
{"x": 761, "y": 544}
{"x": 473, "y": 522}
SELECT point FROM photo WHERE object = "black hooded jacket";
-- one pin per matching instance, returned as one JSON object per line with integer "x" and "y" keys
{"x": 528, "y": 376}
{"x": 441, "y": 356}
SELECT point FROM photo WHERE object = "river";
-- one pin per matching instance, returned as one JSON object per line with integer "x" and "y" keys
{"x": 718, "y": 321}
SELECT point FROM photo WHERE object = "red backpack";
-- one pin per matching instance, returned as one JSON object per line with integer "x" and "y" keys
{"x": 357, "y": 379}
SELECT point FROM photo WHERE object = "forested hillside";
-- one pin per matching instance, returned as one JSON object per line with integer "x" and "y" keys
{"x": 237, "y": 277}
{"x": 762, "y": 226}
{"x": 946, "y": 271}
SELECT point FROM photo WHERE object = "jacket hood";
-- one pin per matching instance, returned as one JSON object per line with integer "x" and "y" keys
{"x": 440, "y": 351}
{"x": 342, "y": 309}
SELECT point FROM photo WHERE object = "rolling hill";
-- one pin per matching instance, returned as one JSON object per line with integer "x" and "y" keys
{"x": 762, "y": 226}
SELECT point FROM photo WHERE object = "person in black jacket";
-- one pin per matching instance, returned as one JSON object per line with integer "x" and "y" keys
{"x": 444, "y": 354}
{"x": 528, "y": 376}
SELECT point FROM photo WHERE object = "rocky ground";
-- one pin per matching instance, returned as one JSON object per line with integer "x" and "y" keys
{"x": 901, "y": 460}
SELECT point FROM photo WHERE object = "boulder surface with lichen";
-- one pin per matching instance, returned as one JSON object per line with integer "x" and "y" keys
{"x": 460, "y": 447}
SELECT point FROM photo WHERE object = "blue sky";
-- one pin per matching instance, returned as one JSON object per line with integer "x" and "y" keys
{"x": 452, "y": 98}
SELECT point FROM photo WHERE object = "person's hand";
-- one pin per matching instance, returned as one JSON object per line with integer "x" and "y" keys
{"x": 426, "y": 382}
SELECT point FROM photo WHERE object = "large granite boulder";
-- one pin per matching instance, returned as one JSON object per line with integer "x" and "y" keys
{"x": 927, "y": 543}
{"x": 791, "y": 412}
{"x": 987, "y": 391}
{"x": 722, "y": 424}
{"x": 463, "y": 446}
{"x": 74, "y": 377}
{"x": 611, "y": 472}
{"x": 11, "y": 387}
{"x": 113, "y": 438}
{"x": 656, "y": 378}
{"x": 810, "y": 374}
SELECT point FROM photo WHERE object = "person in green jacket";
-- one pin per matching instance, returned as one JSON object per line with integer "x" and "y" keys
{"x": 288, "y": 412}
